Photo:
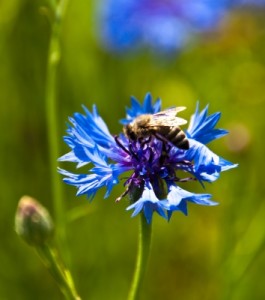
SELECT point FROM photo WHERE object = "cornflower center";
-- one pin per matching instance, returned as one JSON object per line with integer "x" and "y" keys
{"x": 153, "y": 163}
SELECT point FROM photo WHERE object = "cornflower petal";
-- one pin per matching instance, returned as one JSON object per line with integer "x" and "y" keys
{"x": 207, "y": 165}
{"x": 90, "y": 183}
{"x": 87, "y": 132}
{"x": 201, "y": 127}
{"x": 103, "y": 174}
{"x": 96, "y": 128}
{"x": 138, "y": 109}
{"x": 148, "y": 203}
{"x": 177, "y": 200}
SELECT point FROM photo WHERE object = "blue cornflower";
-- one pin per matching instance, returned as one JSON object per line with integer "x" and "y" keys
{"x": 165, "y": 26}
{"x": 154, "y": 164}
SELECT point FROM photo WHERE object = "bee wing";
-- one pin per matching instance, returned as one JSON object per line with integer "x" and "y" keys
{"x": 170, "y": 112}
{"x": 167, "y": 117}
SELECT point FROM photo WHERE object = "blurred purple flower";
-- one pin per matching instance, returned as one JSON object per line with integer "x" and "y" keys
{"x": 163, "y": 25}
{"x": 154, "y": 164}
{"x": 254, "y": 3}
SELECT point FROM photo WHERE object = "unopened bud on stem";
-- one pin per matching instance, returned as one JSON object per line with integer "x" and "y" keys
{"x": 33, "y": 222}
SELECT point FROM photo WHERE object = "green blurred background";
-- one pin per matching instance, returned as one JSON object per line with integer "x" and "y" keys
{"x": 214, "y": 253}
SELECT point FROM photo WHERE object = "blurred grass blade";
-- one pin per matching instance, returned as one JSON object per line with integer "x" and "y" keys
{"x": 78, "y": 213}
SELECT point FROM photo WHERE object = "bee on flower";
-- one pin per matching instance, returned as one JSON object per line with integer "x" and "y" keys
{"x": 154, "y": 155}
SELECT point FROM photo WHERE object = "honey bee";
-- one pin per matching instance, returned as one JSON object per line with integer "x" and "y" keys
{"x": 163, "y": 125}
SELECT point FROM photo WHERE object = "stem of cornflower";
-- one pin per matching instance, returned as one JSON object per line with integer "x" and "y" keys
{"x": 51, "y": 116}
{"x": 145, "y": 232}
{"x": 61, "y": 275}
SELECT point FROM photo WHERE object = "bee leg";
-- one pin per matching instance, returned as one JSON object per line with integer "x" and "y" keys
{"x": 123, "y": 194}
{"x": 145, "y": 141}
{"x": 132, "y": 152}
{"x": 118, "y": 142}
{"x": 167, "y": 147}
{"x": 151, "y": 154}
{"x": 166, "y": 143}
{"x": 161, "y": 137}
{"x": 187, "y": 179}
{"x": 128, "y": 188}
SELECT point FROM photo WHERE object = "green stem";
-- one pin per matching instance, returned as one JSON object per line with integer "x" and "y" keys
{"x": 61, "y": 275}
{"x": 51, "y": 116}
{"x": 145, "y": 233}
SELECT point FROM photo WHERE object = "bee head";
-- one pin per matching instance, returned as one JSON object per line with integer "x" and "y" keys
{"x": 129, "y": 132}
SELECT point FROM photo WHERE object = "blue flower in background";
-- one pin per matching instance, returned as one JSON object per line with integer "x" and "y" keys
{"x": 254, "y": 3}
{"x": 153, "y": 164}
{"x": 165, "y": 26}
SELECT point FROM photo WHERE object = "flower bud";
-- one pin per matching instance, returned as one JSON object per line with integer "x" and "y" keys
{"x": 33, "y": 222}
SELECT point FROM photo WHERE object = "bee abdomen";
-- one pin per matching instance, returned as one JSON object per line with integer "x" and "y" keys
{"x": 178, "y": 138}
{"x": 184, "y": 144}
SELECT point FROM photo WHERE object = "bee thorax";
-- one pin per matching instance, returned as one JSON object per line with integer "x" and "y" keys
{"x": 145, "y": 126}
